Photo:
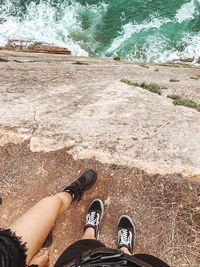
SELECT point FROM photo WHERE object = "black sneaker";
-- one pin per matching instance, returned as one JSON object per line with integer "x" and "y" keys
{"x": 83, "y": 183}
{"x": 126, "y": 233}
{"x": 94, "y": 216}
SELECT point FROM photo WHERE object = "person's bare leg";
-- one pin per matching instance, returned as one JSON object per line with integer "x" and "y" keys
{"x": 89, "y": 233}
{"x": 35, "y": 225}
{"x": 41, "y": 258}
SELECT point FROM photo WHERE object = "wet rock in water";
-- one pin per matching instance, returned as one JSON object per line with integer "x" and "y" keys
{"x": 188, "y": 60}
{"x": 34, "y": 47}
{"x": 2, "y": 20}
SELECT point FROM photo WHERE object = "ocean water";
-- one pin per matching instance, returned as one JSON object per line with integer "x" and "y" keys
{"x": 139, "y": 30}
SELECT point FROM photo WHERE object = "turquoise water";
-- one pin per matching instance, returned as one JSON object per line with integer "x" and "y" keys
{"x": 142, "y": 30}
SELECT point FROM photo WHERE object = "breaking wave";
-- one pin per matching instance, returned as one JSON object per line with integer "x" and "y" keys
{"x": 136, "y": 30}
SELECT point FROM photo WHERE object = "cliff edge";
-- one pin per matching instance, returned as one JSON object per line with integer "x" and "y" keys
{"x": 60, "y": 115}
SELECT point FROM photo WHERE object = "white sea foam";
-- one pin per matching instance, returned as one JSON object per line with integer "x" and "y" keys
{"x": 193, "y": 48}
{"x": 186, "y": 12}
{"x": 130, "y": 29}
{"x": 39, "y": 24}
{"x": 156, "y": 49}
{"x": 65, "y": 27}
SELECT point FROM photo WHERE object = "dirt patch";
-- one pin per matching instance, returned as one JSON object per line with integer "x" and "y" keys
{"x": 164, "y": 208}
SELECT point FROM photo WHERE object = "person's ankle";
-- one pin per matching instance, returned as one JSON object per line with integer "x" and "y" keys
{"x": 80, "y": 185}
{"x": 89, "y": 233}
{"x": 125, "y": 250}
{"x": 69, "y": 194}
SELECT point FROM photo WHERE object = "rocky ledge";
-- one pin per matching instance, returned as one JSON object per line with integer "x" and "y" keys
{"x": 61, "y": 100}
{"x": 61, "y": 115}
{"x": 34, "y": 47}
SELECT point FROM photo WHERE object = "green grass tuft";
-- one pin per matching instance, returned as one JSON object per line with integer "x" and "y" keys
{"x": 195, "y": 77}
{"x": 127, "y": 81}
{"x": 144, "y": 66}
{"x": 152, "y": 87}
{"x": 187, "y": 103}
{"x": 175, "y": 66}
{"x": 170, "y": 65}
{"x": 177, "y": 100}
{"x": 137, "y": 84}
{"x": 174, "y": 97}
{"x": 117, "y": 58}
{"x": 164, "y": 65}
{"x": 174, "y": 80}
{"x": 80, "y": 63}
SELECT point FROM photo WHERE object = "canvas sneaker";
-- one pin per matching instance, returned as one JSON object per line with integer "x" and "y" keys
{"x": 94, "y": 216}
{"x": 84, "y": 182}
{"x": 126, "y": 233}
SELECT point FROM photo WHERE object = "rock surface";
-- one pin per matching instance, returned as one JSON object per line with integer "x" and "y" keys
{"x": 57, "y": 103}
{"x": 36, "y": 47}
{"x": 59, "y": 118}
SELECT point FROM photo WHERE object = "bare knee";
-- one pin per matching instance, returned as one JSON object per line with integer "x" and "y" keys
{"x": 65, "y": 200}
{"x": 57, "y": 203}
{"x": 52, "y": 204}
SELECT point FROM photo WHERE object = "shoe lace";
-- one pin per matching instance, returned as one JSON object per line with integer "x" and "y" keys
{"x": 90, "y": 218}
{"x": 125, "y": 237}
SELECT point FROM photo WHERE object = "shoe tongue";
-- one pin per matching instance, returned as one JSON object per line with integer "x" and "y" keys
{"x": 125, "y": 238}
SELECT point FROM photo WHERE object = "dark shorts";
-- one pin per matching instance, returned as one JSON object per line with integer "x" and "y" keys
{"x": 76, "y": 249}
{"x": 12, "y": 251}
